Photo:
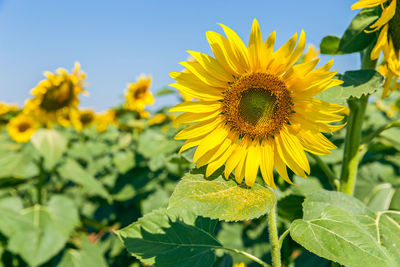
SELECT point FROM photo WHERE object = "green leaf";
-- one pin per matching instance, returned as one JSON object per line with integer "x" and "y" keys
{"x": 330, "y": 45}
{"x": 72, "y": 171}
{"x": 88, "y": 256}
{"x": 221, "y": 199}
{"x": 355, "y": 84}
{"x": 152, "y": 143}
{"x": 53, "y": 225}
{"x": 124, "y": 161}
{"x": 17, "y": 165}
{"x": 342, "y": 229}
{"x": 171, "y": 237}
{"x": 355, "y": 39}
{"x": 165, "y": 91}
{"x": 51, "y": 145}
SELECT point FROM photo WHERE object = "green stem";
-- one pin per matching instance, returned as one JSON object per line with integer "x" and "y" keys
{"x": 273, "y": 238}
{"x": 252, "y": 257}
{"x": 352, "y": 142}
{"x": 355, "y": 120}
{"x": 333, "y": 180}
{"x": 282, "y": 237}
{"x": 371, "y": 136}
{"x": 40, "y": 182}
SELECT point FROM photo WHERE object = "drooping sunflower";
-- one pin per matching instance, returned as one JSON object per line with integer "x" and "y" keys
{"x": 56, "y": 96}
{"x": 256, "y": 109}
{"x": 138, "y": 95}
{"x": 21, "y": 128}
{"x": 389, "y": 38}
{"x": 82, "y": 118}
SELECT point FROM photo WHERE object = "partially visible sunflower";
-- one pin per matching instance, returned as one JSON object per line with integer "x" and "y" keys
{"x": 138, "y": 95}
{"x": 6, "y": 108}
{"x": 82, "y": 118}
{"x": 256, "y": 109}
{"x": 21, "y": 128}
{"x": 105, "y": 119}
{"x": 56, "y": 96}
{"x": 389, "y": 39}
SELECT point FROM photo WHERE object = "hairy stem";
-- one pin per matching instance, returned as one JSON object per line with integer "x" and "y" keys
{"x": 273, "y": 238}
{"x": 243, "y": 253}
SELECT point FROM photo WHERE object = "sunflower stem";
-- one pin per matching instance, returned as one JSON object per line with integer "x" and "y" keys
{"x": 273, "y": 238}
{"x": 40, "y": 182}
{"x": 355, "y": 120}
{"x": 248, "y": 255}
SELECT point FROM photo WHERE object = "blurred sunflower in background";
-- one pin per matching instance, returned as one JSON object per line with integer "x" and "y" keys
{"x": 138, "y": 96}
{"x": 5, "y": 111}
{"x": 312, "y": 53}
{"x": 82, "y": 118}
{"x": 388, "y": 41}
{"x": 56, "y": 96}
{"x": 21, "y": 128}
{"x": 256, "y": 109}
{"x": 105, "y": 119}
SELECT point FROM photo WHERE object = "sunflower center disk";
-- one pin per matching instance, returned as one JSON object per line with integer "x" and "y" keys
{"x": 257, "y": 105}
{"x": 22, "y": 127}
{"x": 394, "y": 27}
{"x": 58, "y": 97}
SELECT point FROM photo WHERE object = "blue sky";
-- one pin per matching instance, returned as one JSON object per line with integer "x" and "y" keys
{"x": 116, "y": 41}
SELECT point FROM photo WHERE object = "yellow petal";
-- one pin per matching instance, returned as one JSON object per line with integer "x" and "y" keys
{"x": 211, "y": 65}
{"x": 196, "y": 106}
{"x": 199, "y": 129}
{"x": 213, "y": 139}
{"x": 255, "y": 47}
{"x": 267, "y": 163}
{"x": 204, "y": 75}
{"x": 252, "y": 162}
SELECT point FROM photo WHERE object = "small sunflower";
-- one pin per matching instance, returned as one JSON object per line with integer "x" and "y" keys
{"x": 21, "y": 128}
{"x": 82, "y": 118}
{"x": 138, "y": 95}
{"x": 105, "y": 119}
{"x": 6, "y": 108}
{"x": 256, "y": 109}
{"x": 56, "y": 96}
{"x": 389, "y": 38}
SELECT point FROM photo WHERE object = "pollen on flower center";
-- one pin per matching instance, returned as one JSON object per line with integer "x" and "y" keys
{"x": 257, "y": 105}
{"x": 58, "y": 97}
{"x": 394, "y": 27}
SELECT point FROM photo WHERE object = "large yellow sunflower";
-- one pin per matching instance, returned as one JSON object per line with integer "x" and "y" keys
{"x": 21, "y": 128}
{"x": 388, "y": 40}
{"x": 138, "y": 94}
{"x": 56, "y": 96}
{"x": 256, "y": 108}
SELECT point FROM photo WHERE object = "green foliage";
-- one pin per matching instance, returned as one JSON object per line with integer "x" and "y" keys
{"x": 342, "y": 229}
{"x": 354, "y": 39}
{"x": 171, "y": 237}
{"x": 221, "y": 199}
{"x": 355, "y": 84}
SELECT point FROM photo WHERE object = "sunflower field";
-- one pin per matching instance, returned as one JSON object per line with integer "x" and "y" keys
{"x": 271, "y": 158}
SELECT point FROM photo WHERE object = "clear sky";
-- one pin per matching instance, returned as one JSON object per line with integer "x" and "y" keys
{"x": 115, "y": 41}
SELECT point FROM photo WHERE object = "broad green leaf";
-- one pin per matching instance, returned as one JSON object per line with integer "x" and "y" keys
{"x": 355, "y": 84}
{"x": 72, "y": 171}
{"x": 88, "y": 256}
{"x": 355, "y": 39}
{"x": 53, "y": 225}
{"x": 17, "y": 164}
{"x": 342, "y": 229}
{"x": 51, "y": 145}
{"x": 171, "y": 237}
{"x": 124, "y": 160}
{"x": 154, "y": 201}
{"x": 330, "y": 45}
{"x": 152, "y": 143}
{"x": 221, "y": 199}
{"x": 13, "y": 222}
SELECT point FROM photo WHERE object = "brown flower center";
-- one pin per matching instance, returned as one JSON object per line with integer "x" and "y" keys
{"x": 22, "y": 127}
{"x": 257, "y": 105}
{"x": 58, "y": 97}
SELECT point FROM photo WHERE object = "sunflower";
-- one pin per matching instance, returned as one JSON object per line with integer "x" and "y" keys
{"x": 105, "y": 119}
{"x": 138, "y": 95}
{"x": 389, "y": 38}
{"x": 21, "y": 128}
{"x": 256, "y": 108}
{"x": 56, "y": 96}
{"x": 6, "y": 108}
{"x": 82, "y": 118}
{"x": 312, "y": 53}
